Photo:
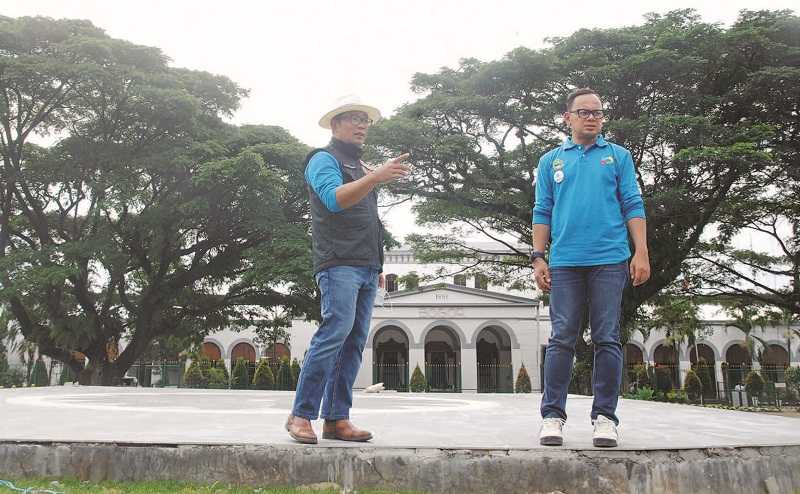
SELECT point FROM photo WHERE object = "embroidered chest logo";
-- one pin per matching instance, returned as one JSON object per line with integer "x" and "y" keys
{"x": 607, "y": 160}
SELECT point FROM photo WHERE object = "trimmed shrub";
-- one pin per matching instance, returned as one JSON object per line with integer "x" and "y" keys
{"x": 193, "y": 377}
{"x": 263, "y": 378}
{"x": 643, "y": 393}
{"x": 240, "y": 378}
{"x": 523, "y": 384}
{"x": 284, "y": 377}
{"x": 692, "y": 385}
{"x": 418, "y": 383}
{"x": 663, "y": 377}
{"x": 295, "y": 373}
{"x": 792, "y": 377}
{"x": 67, "y": 376}
{"x": 754, "y": 384}
{"x": 220, "y": 365}
{"x": 581, "y": 382}
{"x": 217, "y": 378}
{"x": 641, "y": 378}
{"x": 39, "y": 374}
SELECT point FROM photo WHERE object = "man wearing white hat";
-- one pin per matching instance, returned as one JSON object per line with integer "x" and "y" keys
{"x": 347, "y": 243}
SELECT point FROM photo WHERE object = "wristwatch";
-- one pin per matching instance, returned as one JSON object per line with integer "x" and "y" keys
{"x": 535, "y": 254}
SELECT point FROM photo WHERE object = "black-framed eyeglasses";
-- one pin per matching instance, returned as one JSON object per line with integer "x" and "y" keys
{"x": 357, "y": 119}
{"x": 584, "y": 113}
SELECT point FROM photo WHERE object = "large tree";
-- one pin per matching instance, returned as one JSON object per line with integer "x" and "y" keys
{"x": 148, "y": 217}
{"x": 680, "y": 94}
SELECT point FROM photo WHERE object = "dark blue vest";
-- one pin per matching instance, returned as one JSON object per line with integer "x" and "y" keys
{"x": 353, "y": 236}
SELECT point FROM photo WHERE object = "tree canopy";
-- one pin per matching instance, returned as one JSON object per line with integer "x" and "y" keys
{"x": 148, "y": 217}
{"x": 709, "y": 113}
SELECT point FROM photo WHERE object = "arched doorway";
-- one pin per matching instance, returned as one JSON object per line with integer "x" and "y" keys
{"x": 703, "y": 363}
{"x": 248, "y": 352}
{"x": 634, "y": 359}
{"x": 278, "y": 352}
{"x": 443, "y": 360}
{"x": 495, "y": 371}
{"x": 775, "y": 360}
{"x": 665, "y": 360}
{"x": 211, "y": 351}
{"x": 390, "y": 358}
{"x": 737, "y": 364}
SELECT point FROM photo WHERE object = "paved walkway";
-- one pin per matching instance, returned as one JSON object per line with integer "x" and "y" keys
{"x": 398, "y": 420}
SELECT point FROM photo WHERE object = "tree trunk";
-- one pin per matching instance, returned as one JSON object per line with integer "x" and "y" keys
{"x": 100, "y": 374}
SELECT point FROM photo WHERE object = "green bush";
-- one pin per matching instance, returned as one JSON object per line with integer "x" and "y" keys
{"x": 692, "y": 385}
{"x": 220, "y": 365}
{"x": 240, "y": 378}
{"x": 676, "y": 396}
{"x": 418, "y": 383}
{"x": 754, "y": 384}
{"x": 295, "y": 373}
{"x": 67, "y": 376}
{"x": 640, "y": 376}
{"x": 284, "y": 378}
{"x": 39, "y": 374}
{"x": 787, "y": 395}
{"x": 4, "y": 367}
{"x": 581, "y": 382}
{"x": 643, "y": 393}
{"x": 793, "y": 379}
{"x": 263, "y": 379}
{"x": 523, "y": 384}
{"x": 12, "y": 378}
{"x": 217, "y": 378}
{"x": 663, "y": 378}
{"x": 193, "y": 377}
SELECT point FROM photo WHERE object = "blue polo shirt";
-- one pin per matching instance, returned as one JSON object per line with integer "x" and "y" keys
{"x": 587, "y": 196}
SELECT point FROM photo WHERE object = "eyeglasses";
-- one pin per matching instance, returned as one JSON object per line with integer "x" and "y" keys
{"x": 356, "y": 119}
{"x": 584, "y": 114}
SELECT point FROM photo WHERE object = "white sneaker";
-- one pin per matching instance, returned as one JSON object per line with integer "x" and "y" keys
{"x": 605, "y": 433}
{"x": 551, "y": 432}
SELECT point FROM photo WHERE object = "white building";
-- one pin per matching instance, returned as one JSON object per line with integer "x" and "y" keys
{"x": 467, "y": 338}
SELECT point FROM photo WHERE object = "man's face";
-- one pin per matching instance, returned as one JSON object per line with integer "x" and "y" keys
{"x": 589, "y": 127}
{"x": 351, "y": 127}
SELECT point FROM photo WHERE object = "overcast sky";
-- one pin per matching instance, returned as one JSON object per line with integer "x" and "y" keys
{"x": 297, "y": 57}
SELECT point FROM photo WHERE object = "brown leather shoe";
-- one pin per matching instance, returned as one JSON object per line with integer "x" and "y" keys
{"x": 344, "y": 430}
{"x": 300, "y": 429}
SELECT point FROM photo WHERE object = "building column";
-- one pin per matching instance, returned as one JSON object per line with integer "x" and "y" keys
{"x": 469, "y": 370}
{"x": 683, "y": 369}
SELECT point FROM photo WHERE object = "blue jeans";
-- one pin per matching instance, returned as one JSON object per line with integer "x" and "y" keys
{"x": 334, "y": 355}
{"x": 569, "y": 291}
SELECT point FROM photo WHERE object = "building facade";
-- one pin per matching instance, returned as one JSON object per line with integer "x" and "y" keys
{"x": 467, "y": 336}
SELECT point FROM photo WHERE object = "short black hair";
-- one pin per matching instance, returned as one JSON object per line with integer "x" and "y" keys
{"x": 579, "y": 92}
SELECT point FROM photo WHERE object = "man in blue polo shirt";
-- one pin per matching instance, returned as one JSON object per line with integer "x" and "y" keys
{"x": 347, "y": 249}
{"x": 587, "y": 203}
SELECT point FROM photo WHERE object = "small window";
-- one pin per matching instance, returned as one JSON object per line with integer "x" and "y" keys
{"x": 482, "y": 281}
{"x": 460, "y": 279}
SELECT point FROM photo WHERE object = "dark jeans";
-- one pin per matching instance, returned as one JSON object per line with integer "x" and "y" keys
{"x": 334, "y": 354}
{"x": 570, "y": 289}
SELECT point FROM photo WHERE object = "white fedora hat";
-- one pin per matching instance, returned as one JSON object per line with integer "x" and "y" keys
{"x": 348, "y": 103}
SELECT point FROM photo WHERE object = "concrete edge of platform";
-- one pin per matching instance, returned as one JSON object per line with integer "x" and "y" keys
{"x": 773, "y": 469}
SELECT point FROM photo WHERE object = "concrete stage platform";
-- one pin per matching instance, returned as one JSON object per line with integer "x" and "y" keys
{"x": 442, "y": 443}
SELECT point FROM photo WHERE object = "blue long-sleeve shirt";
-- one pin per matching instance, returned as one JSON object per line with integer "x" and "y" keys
{"x": 324, "y": 176}
{"x": 587, "y": 196}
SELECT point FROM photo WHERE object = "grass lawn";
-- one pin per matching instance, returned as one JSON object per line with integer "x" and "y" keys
{"x": 69, "y": 486}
